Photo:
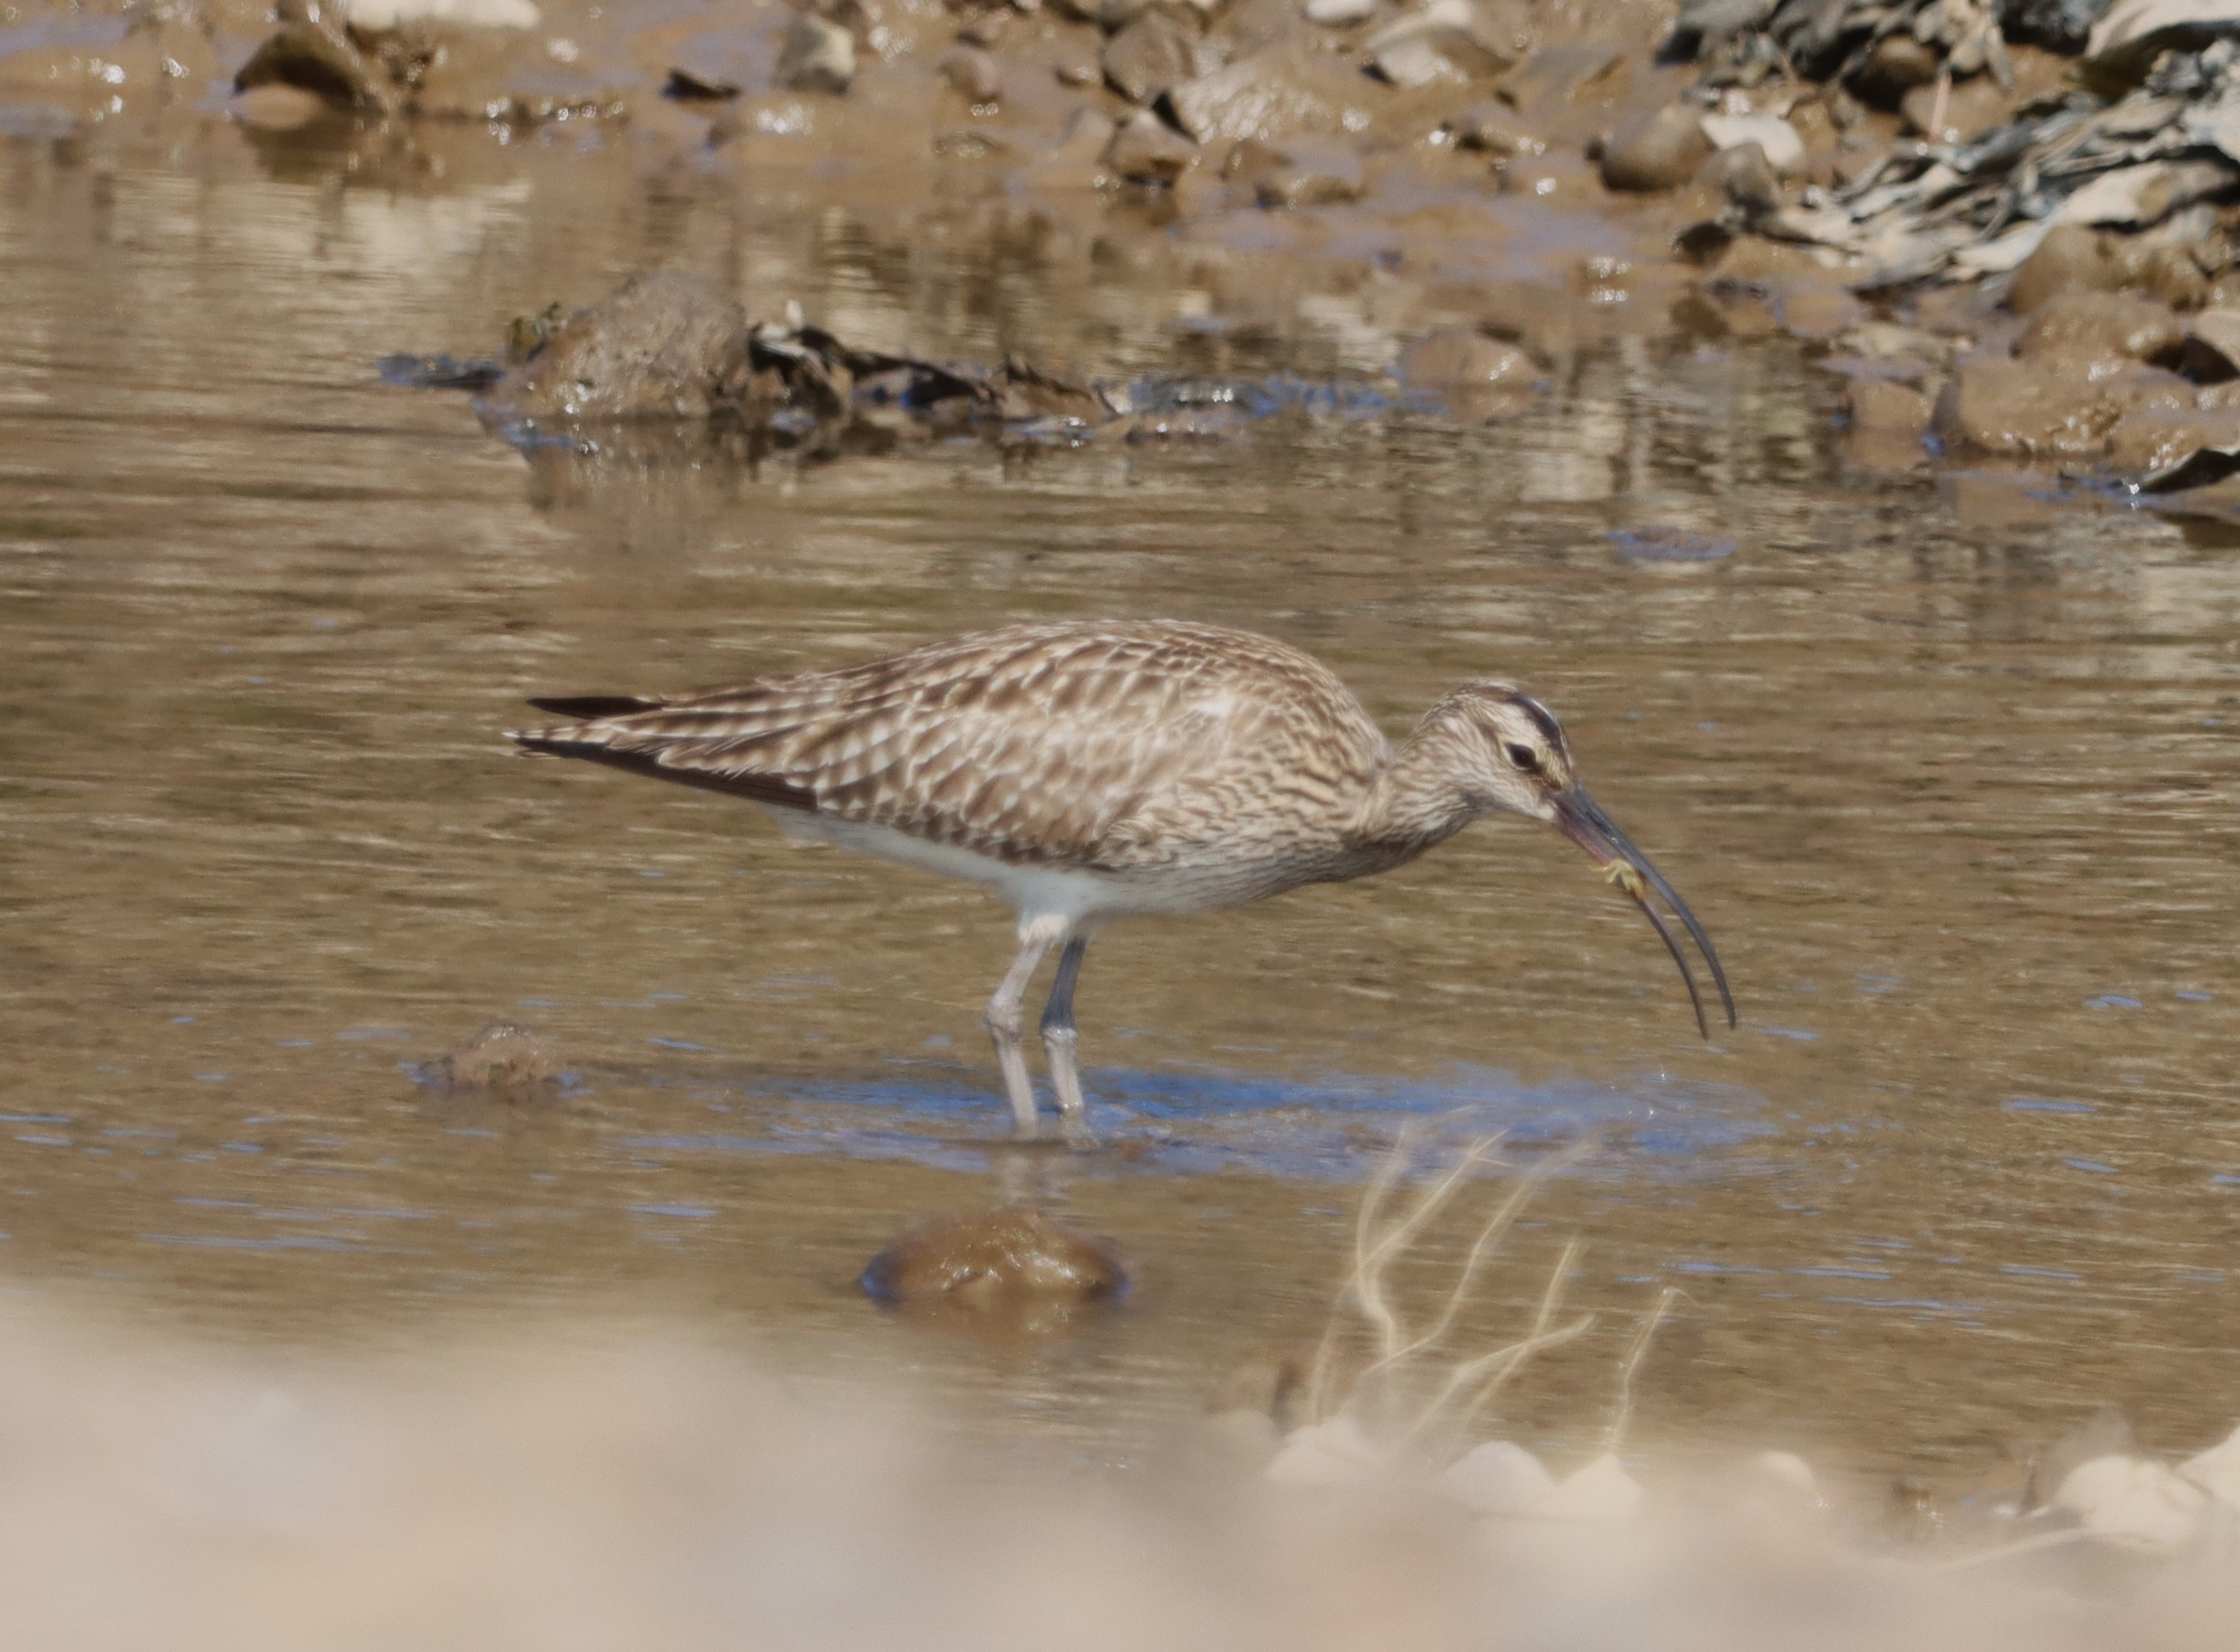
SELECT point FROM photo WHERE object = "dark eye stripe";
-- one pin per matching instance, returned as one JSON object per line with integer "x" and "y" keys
{"x": 1544, "y": 719}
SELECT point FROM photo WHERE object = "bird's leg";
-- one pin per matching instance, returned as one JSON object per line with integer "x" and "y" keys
{"x": 1059, "y": 1037}
{"x": 1006, "y": 1025}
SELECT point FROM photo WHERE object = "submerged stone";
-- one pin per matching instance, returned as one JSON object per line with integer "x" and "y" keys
{"x": 505, "y": 1058}
{"x": 1009, "y": 1257}
{"x": 660, "y": 346}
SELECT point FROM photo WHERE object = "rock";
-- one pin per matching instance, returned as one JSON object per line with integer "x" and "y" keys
{"x": 318, "y": 59}
{"x": 2069, "y": 257}
{"x": 1777, "y": 139}
{"x": 1442, "y": 42}
{"x": 1335, "y": 1453}
{"x": 2125, "y": 41}
{"x": 1601, "y": 1493}
{"x": 1148, "y": 55}
{"x": 1657, "y": 151}
{"x": 1707, "y": 22}
{"x": 1473, "y": 378}
{"x": 1113, "y": 16}
{"x": 1498, "y": 1478}
{"x": 2040, "y": 408}
{"x": 2135, "y": 196}
{"x": 2217, "y": 1469}
{"x": 1145, "y": 149}
{"x": 684, "y": 86}
{"x": 660, "y": 346}
{"x": 1556, "y": 75}
{"x": 2156, "y": 440}
{"x": 2133, "y": 1498}
{"x": 2107, "y": 1432}
{"x": 987, "y": 29}
{"x": 505, "y": 1057}
{"x": 1745, "y": 176}
{"x": 2172, "y": 276}
{"x": 1896, "y": 65}
{"x": 2096, "y": 327}
{"x": 382, "y": 16}
{"x": 1338, "y": 14}
{"x": 973, "y": 73}
{"x": 1455, "y": 356}
{"x": 817, "y": 56}
{"x": 1315, "y": 175}
{"x": 1250, "y": 159}
{"x": 1076, "y": 71}
{"x": 1010, "y": 1258}
{"x": 1885, "y": 410}
{"x": 2211, "y": 353}
{"x": 1970, "y": 109}
{"x": 1490, "y": 129}
{"x": 275, "y": 108}
{"x": 1078, "y": 160}
{"x": 2057, "y": 25}
{"x": 1276, "y": 93}
{"x": 1817, "y": 312}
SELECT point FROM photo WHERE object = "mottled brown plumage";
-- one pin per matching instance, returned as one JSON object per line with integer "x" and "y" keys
{"x": 1093, "y": 770}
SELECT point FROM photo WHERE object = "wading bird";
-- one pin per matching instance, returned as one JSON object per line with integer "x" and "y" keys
{"x": 1104, "y": 769}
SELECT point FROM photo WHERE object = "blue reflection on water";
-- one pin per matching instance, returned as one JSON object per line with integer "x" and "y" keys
{"x": 1331, "y": 1128}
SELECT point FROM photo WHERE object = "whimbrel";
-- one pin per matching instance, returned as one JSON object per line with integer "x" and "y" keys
{"x": 1096, "y": 770}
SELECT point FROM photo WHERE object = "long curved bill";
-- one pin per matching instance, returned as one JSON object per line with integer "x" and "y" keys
{"x": 1581, "y": 819}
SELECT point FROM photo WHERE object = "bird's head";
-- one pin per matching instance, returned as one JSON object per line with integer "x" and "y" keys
{"x": 1509, "y": 756}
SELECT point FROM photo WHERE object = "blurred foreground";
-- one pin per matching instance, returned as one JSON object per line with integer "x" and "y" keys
{"x": 521, "y": 1490}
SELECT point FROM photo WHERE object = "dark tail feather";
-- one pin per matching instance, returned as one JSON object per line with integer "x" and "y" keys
{"x": 590, "y": 708}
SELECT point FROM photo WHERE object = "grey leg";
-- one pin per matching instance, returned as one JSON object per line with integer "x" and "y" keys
{"x": 1006, "y": 1024}
{"x": 1059, "y": 1037}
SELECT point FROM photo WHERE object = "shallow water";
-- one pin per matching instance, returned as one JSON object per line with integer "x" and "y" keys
{"x": 1947, "y": 771}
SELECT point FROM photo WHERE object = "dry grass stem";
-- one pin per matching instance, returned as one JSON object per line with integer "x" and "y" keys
{"x": 1635, "y": 1352}
{"x": 1398, "y": 1351}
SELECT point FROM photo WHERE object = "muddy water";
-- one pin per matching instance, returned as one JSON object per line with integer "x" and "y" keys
{"x": 1949, "y": 771}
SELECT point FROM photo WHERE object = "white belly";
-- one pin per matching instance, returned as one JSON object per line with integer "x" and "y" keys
{"x": 1083, "y": 899}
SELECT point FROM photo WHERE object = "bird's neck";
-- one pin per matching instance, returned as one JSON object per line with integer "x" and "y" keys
{"x": 1415, "y": 802}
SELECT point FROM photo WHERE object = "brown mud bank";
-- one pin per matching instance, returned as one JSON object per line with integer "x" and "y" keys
{"x": 1905, "y": 185}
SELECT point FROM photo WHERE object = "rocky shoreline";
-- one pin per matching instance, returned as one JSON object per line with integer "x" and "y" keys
{"x": 2007, "y": 229}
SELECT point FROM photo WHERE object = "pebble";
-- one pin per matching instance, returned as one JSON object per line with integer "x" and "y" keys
{"x": 1746, "y": 178}
{"x": 1658, "y": 152}
{"x": 1498, "y": 1478}
{"x": 1145, "y": 149}
{"x": 1338, "y": 14}
{"x": 973, "y": 73}
{"x": 1150, "y": 55}
{"x": 2133, "y": 1498}
{"x": 1778, "y": 140}
{"x": 1601, "y": 1493}
{"x": 818, "y": 56}
{"x": 1335, "y": 1453}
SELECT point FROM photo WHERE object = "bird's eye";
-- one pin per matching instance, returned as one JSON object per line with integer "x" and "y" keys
{"x": 1525, "y": 758}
